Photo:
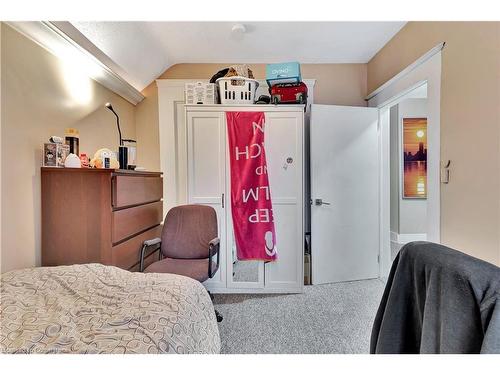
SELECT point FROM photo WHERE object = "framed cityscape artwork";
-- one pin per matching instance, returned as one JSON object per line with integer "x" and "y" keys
{"x": 414, "y": 158}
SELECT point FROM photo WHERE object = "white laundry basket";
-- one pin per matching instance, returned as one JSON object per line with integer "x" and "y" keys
{"x": 237, "y": 90}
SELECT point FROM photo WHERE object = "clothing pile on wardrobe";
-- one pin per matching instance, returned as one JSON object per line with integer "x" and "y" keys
{"x": 241, "y": 70}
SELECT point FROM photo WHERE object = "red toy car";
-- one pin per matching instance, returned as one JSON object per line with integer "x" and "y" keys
{"x": 295, "y": 93}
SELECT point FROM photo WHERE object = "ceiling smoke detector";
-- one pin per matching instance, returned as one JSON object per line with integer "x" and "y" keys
{"x": 238, "y": 30}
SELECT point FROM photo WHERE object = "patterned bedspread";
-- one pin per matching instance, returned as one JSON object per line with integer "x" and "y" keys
{"x": 101, "y": 309}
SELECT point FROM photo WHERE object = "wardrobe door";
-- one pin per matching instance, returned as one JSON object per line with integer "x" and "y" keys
{"x": 284, "y": 153}
{"x": 241, "y": 274}
{"x": 206, "y": 147}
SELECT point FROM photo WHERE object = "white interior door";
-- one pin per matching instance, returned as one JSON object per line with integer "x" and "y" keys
{"x": 344, "y": 193}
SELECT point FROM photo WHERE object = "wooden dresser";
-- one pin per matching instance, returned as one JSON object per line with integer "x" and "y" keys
{"x": 99, "y": 215}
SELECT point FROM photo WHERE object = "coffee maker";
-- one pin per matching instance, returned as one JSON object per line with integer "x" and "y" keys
{"x": 130, "y": 161}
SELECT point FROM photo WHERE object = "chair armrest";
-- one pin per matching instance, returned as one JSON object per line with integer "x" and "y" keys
{"x": 154, "y": 241}
{"x": 213, "y": 248}
{"x": 145, "y": 245}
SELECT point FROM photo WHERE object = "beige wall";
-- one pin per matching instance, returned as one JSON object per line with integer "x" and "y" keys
{"x": 39, "y": 101}
{"x": 470, "y": 124}
{"x": 470, "y": 106}
{"x": 148, "y": 137}
{"x": 342, "y": 84}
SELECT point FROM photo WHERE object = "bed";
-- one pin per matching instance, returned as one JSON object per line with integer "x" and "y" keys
{"x": 94, "y": 308}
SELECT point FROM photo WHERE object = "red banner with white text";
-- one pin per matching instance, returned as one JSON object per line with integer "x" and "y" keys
{"x": 251, "y": 205}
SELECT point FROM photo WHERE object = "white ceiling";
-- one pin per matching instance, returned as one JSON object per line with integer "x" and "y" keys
{"x": 144, "y": 50}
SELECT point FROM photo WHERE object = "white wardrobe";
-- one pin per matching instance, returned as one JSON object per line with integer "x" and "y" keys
{"x": 208, "y": 182}
{"x": 194, "y": 160}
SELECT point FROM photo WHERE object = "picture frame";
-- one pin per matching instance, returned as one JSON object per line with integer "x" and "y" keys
{"x": 414, "y": 157}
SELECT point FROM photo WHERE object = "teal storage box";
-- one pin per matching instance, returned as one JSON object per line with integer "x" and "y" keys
{"x": 283, "y": 73}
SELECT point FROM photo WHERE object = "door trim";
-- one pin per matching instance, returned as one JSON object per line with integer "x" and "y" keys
{"x": 421, "y": 60}
{"x": 427, "y": 72}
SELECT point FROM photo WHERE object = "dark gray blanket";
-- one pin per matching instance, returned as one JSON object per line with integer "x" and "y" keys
{"x": 438, "y": 300}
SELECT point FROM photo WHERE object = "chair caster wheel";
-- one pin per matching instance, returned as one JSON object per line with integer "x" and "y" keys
{"x": 218, "y": 316}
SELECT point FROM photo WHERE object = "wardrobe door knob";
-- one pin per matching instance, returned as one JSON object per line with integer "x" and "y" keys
{"x": 321, "y": 202}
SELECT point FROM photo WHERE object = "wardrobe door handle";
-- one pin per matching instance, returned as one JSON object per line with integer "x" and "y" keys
{"x": 320, "y": 202}
{"x": 222, "y": 200}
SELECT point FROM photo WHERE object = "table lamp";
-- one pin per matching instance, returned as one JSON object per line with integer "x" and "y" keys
{"x": 122, "y": 150}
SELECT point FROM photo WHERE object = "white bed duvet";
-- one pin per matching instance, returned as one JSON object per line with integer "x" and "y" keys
{"x": 101, "y": 309}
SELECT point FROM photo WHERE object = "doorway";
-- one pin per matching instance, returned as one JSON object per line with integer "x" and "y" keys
{"x": 408, "y": 169}
{"x": 425, "y": 72}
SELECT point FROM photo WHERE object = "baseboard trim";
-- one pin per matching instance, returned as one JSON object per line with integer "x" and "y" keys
{"x": 394, "y": 236}
{"x": 404, "y": 238}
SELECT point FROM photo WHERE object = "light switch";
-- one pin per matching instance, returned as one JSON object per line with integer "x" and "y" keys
{"x": 445, "y": 173}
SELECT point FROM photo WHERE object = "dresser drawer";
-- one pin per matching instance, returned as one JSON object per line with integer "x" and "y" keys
{"x": 129, "y": 221}
{"x": 134, "y": 190}
{"x": 127, "y": 254}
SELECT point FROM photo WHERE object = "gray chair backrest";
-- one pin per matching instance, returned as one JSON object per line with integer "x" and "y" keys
{"x": 187, "y": 230}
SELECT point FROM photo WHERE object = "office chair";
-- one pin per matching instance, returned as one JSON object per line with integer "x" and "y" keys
{"x": 187, "y": 245}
